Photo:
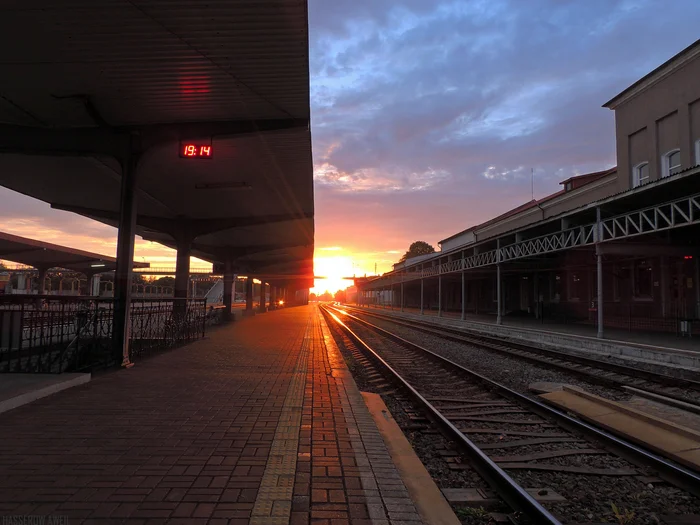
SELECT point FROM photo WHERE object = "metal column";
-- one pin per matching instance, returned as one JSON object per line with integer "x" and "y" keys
{"x": 464, "y": 297}
{"x": 499, "y": 303}
{"x": 249, "y": 295}
{"x": 229, "y": 279}
{"x": 599, "y": 269}
{"x": 95, "y": 290}
{"x": 421, "y": 296}
{"x": 182, "y": 277}
{"x": 697, "y": 287}
{"x": 125, "y": 259}
{"x": 42, "y": 281}
{"x": 262, "y": 307}
{"x": 439, "y": 295}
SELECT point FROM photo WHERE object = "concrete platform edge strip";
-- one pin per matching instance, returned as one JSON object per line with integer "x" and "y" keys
{"x": 430, "y": 502}
{"x": 29, "y": 397}
{"x": 673, "y": 443}
{"x": 370, "y": 448}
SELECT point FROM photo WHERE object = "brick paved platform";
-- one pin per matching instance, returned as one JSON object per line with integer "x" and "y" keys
{"x": 260, "y": 423}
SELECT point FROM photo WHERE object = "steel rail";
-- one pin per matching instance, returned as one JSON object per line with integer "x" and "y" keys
{"x": 498, "y": 345}
{"x": 682, "y": 477}
{"x": 513, "y": 494}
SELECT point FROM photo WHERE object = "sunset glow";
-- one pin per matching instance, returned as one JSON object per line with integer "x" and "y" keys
{"x": 336, "y": 262}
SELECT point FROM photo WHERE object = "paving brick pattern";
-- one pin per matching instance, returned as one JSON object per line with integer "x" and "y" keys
{"x": 353, "y": 478}
{"x": 260, "y": 423}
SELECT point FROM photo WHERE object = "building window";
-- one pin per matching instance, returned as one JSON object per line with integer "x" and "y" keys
{"x": 671, "y": 163}
{"x": 697, "y": 152}
{"x": 569, "y": 186}
{"x": 575, "y": 286}
{"x": 640, "y": 174}
{"x": 643, "y": 279}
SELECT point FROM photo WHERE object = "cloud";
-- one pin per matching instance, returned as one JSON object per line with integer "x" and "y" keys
{"x": 429, "y": 115}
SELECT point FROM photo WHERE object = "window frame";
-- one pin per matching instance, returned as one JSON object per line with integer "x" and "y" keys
{"x": 697, "y": 152}
{"x": 666, "y": 167}
{"x": 636, "y": 180}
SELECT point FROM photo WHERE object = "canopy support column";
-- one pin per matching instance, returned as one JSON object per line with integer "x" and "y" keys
{"x": 599, "y": 270}
{"x": 464, "y": 296}
{"x": 262, "y": 308}
{"x": 273, "y": 297}
{"x": 499, "y": 316}
{"x": 228, "y": 289}
{"x": 249, "y": 297}
{"x": 182, "y": 277}
{"x": 125, "y": 258}
{"x": 421, "y": 296}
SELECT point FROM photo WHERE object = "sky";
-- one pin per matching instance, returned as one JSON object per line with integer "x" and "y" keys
{"x": 429, "y": 116}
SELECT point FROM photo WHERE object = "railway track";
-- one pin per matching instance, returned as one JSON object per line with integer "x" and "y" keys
{"x": 508, "y": 437}
{"x": 675, "y": 391}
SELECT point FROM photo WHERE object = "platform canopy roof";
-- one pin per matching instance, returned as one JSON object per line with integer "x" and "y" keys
{"x": 89, "y": 87}
{"x": 45, "y": 255}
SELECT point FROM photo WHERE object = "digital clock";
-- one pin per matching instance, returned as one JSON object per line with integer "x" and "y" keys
{"x": 196, "y": 150}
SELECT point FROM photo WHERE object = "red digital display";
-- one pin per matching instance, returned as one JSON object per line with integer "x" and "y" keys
{"x": 194, "y": 150}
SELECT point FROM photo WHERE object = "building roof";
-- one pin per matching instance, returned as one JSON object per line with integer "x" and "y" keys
{"x": 651, "y": 78}
{"x": 680, "y": 184}
{"x": 41, "y": 254}
{"x": 582, "y": 180}
{"x": 413, "y": 260}
{"x": 85, "y": 81}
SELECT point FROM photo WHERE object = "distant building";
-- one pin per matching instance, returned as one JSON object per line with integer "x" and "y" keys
{"x": 634, "y": 228}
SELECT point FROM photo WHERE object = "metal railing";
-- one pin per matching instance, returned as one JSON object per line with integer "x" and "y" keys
{"x": 54, "y": 334}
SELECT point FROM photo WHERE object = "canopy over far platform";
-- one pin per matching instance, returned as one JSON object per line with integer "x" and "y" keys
{"x": 44, "y": 255}
{"x": 200, "y": 109}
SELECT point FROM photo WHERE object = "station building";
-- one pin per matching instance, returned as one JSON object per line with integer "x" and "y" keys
{"x": 615, "y": 248}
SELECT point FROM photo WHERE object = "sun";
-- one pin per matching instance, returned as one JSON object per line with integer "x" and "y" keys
{"x": 333, "y": 269}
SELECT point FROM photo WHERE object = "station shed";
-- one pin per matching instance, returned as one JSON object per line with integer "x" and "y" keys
{"x": 187, "y": 124}
{"x": 613, "y": 249}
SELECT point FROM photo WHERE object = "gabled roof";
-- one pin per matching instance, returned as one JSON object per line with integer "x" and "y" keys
{"x": 414, "y": 260}
{"x": 689, "y": 53}
{"x": 582, "y": 180}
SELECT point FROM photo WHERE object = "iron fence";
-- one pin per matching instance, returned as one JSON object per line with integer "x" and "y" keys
{"x": 52, "y": 334}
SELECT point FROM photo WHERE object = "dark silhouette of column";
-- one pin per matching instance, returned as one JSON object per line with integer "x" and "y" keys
{"x": 262, "y": 307}
{"x": 228, "y": 290}
{"x": 125, "y": 258}
{"x": 249, "y": 297}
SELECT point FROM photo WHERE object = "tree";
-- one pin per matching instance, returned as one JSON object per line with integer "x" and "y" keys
{"x": 165, "y": 281}
{"x": 417, "y": 248}
{"x": 340, "y": 296}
